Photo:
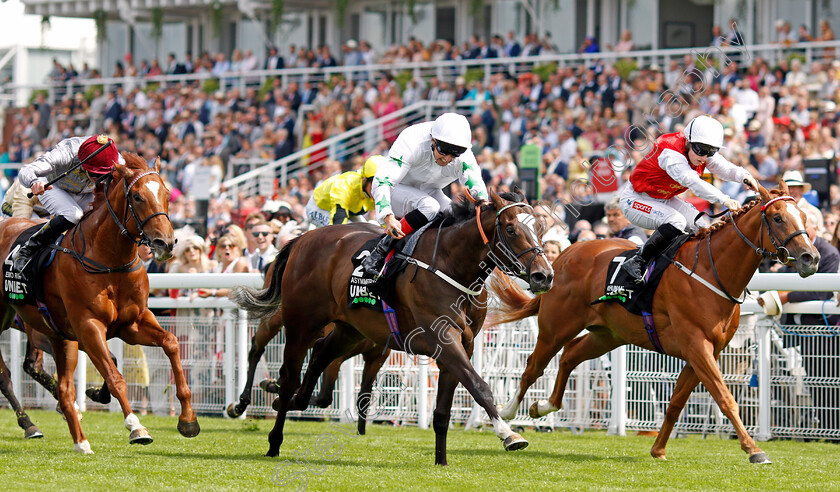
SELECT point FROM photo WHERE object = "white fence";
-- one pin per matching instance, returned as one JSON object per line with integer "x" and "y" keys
{"x": 784, "y": 378}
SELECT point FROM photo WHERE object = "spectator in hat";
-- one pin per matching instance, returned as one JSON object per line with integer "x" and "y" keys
{"x": 67, "y": 198}
{"x": 754, "y": 138}
{"x": 797, "y": 188}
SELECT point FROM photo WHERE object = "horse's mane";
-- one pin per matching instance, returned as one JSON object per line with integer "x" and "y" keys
{"x": 132, "y": 161}
{"x": 463, "y": 209}
{"x": 706, "y": 231}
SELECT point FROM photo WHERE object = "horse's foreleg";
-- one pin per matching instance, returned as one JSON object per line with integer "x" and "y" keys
{"x": 374, "y": 359}
{"x": 454, "y": 356}
{"x": 92, "y": 337}
{"x": 289, "y": 381}
{"x": 66, "y": 355}
{"x": 30, "y": 430}
{"x": 324, "y": 397}
{"x": 332, "y": 347}
{"x": 33, "y": 364}
{"x": 593, "y": 344}
{"x": 147, "y": 331}
{"x": 548, "y": 344}
{"x": 447, "y": 382}
{"x": 699, "y": 355}
{"x": 267, "y": 330}
{"x": 686, "y": 383}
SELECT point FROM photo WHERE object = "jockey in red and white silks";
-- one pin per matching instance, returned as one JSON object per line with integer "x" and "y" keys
{"x": 650, "y": 199}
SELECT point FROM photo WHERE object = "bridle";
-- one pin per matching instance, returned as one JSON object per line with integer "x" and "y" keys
{"x": 92, "y": 266}
{"x": 501, "y": 242}
{"x": 143, "y": 239}
{"x": 782, "y": 254}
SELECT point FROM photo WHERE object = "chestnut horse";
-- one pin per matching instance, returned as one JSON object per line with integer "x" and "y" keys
{"x": 96, "y": 288}
{"x": 693, "y": 322}
{"x": 434, "y": 314}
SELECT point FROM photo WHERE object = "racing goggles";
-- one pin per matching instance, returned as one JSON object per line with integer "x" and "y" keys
{"x": 444, "y": 148}
{"x": 703, "y": 150}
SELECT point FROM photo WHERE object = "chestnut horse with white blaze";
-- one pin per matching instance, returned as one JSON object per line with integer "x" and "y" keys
{"x": 693, "y": 321}
{"x": 97, "y": 288}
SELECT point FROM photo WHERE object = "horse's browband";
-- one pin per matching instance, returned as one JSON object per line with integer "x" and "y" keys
{"x": 778, "y": 198}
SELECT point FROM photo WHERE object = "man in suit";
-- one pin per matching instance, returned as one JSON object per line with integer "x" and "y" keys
{"x": 512, "y": 47}
{"x": 274, "y": 60}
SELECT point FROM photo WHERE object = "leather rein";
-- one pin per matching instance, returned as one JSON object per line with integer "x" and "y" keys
{"x": 782, "y": 254}
{"x": 92, "y": 266}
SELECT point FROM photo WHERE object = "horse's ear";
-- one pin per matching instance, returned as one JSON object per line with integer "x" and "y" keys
{"x": 120, "y": 172}
{"x": 495, "y": 198}
{"x": 519, "y": 192}
{"x": 783, "y": 187}
{"x": 157, "y": 164}
{"x": 765, "y": 195}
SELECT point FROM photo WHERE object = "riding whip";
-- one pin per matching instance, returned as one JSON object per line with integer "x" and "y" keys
{"x": 65, "y": 173}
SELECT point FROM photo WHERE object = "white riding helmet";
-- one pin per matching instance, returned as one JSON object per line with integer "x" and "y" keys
{"x": 454, "y": 129}
{"x": 705, "y": 130}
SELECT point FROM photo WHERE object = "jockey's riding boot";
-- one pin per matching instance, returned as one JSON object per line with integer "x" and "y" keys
{"x": 373, "y": 263}
{"x": 656, "y": 244}
{"x": 47, "y": 234}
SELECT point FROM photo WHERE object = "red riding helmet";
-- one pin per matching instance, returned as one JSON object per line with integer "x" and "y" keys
{"x": 103, "y": 162}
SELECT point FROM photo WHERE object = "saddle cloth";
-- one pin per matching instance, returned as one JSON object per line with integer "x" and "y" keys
{"x": 621, "y": 288}
{"x": 20, "y": 287}
{"x": 363, "y": 289}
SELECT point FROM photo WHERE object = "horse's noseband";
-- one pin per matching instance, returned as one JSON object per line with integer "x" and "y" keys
{"x": 143, "y": 239}
{"x": 782, "y": 253}
{"x": 499, "y": 239}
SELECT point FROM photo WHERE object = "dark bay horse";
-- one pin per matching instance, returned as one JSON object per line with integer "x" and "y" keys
{"x": 97, "y": 288}
{"x": 33, "y": 364}
{"x": 693, "y": 322}
{"x": 374, "y": 357}
{"x": 436, "y": 317}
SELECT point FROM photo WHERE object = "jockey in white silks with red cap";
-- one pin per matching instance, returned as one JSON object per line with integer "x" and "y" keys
{"x": 67, "y": 198}
{"x": 649, "y": 200}
{"x": 408, "y": 187}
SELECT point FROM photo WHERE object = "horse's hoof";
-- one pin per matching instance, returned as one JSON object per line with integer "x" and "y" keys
{"x": 140, "y": 436}
{"x": 82, "y": 447}
{"x": 189, "y": 429}
{"x": 533, "y": 410}
{"x": 272, "y": 453}
{"x": 269, "y": 386}
{"x": 232, "y": 412}
{"x": 515, "y": 442}
{"x": 760, "y": 458}
{"x": 32, "y": 433}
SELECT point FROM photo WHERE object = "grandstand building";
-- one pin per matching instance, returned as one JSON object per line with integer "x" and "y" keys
{"x": 154, "y": 28}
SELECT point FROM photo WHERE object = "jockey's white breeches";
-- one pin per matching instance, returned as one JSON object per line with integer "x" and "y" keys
{"x": 68, "y": 205}
{"x": 404, "y": 199}
{"x": 649, "y": 213}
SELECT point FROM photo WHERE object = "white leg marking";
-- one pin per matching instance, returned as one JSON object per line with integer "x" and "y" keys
{"x": 132, "y": 423}
{"x": 502, "y": 430}
{"x": 82, "y": 447}
{"x": 544, "y": 408}
{"x": 508, "y": 411}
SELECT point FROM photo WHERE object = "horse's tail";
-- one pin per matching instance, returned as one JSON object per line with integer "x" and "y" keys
{"x": 264, "y": 302}
{"x": 515, "y": 303}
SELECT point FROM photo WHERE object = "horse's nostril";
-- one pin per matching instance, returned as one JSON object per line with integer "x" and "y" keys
{"x": 538, "y": 277}
{"x": 807, "y": 258}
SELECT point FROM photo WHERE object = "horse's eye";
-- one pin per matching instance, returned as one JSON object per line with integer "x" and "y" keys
{"x": 137, "y": 197}
{"x": 777, "y": 219}
{"x": 510, "y": 230}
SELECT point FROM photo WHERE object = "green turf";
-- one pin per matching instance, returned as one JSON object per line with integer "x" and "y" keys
{"x": 228, "y": 454}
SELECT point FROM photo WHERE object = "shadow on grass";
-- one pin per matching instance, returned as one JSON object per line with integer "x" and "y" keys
{"x": 570, "y": 457}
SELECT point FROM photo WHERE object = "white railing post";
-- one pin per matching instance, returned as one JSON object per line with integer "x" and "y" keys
{"x": 15, "y": 361}
{"x": 763, "y": 327}
{"x": 230, "y": 351}
{"x": 346, "y": 385}
{"x": 242, "y": 344}
{"x": 423, "y": 392}
{"x": 81, "y": 381}
{"x": 618, "y": 416}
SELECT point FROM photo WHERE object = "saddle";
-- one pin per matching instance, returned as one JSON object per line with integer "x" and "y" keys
{"x": 21, "y": 288}
{"x": 621, "y": 287}
{"x": 365, "y": 290}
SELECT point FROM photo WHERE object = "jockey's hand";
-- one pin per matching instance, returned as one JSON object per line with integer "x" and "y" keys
{"x": 38, "y": 187}
{"x": 731, "y": 204}
{"x": 750, "y": 182}
{"x": 393, "y": 227}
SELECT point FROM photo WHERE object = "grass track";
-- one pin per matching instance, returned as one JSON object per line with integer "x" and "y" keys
{"x": 228, "y": 455}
